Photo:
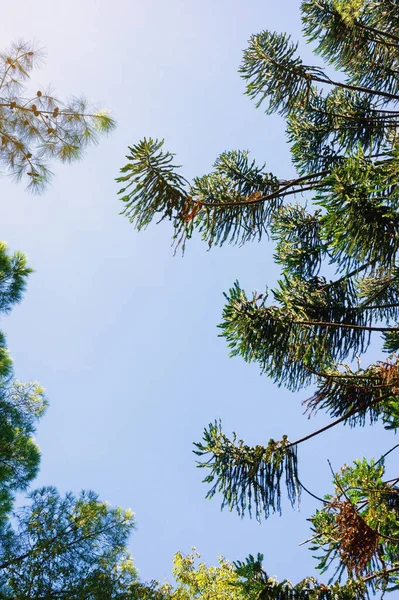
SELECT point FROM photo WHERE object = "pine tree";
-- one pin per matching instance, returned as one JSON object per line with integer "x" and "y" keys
{"x": 36, "y": 128}
{"x": 343, "y": 133}
{"x": 21, "y": 404}
{"x": 67, "y": 548}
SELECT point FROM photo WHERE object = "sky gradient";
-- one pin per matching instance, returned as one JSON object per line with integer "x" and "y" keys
{"x": 121, "y": 333}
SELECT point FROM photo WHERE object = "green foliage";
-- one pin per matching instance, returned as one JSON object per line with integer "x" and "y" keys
{"x": 21, "y": 405}
{"x": 242, "y": 580}
{"x": 359, "y": 37}
{"x": 300, "y": 249}
{"x": 248, "y": 478}
{"x": 234, "y": 197}
{"x": 314, "y": 327}
{"x": 334, "y": 125}
{"x": 357, "y": 395}
{"x": 151, "y": 185}
{"x": 34, "y": 130}
{"x": 229, "y": 204}
{"x": 360, "y": 203}
{"x": 194, "y": 579}
{"x": 274, "y": 74}
{"x": 13, "y": 276}
{"x": 257, "y": 585}
{"x": 67, "y": 548}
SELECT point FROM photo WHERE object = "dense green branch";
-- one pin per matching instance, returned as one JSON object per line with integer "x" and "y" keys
{"x": 281, "y": 191}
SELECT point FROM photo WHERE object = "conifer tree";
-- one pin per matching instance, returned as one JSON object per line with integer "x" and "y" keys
{"x": 67, "y": 548}
{"x": 37, "y": 127}
{"x": 310, "y": 330}
{"x": 21, "y": 404}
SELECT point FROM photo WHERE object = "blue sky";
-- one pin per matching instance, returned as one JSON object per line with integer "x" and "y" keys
{"x": 121, "y": 333}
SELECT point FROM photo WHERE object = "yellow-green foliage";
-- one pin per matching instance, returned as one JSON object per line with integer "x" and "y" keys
{"x": 349, "y": 10}
{"x": 194, "y": 579}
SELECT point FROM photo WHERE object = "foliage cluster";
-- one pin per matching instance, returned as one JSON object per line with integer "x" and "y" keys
{"x": 37, "y": 127}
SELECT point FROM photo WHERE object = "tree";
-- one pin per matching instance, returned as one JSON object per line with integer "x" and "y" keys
{"x": 21, "y": 404}
{"x": 36, "y": 128}
{"x": 339, "y": 287}
{"x": 72, "y": 548}
{"x": 194, "y": 579}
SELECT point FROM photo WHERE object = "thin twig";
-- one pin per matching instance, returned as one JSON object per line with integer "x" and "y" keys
{"x": 386, "y": 453}
{"x": 310, "y": 493}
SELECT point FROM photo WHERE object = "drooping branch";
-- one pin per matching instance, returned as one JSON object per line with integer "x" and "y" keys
{"x": 248, "y": 478}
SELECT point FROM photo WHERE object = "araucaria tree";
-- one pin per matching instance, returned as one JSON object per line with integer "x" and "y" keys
{"x": 36, "y": 128}
{"x": 343, "y": 132}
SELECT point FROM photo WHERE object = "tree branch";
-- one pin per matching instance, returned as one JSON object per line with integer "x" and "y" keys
{"x": 386, "y": 453}
{"x": 346, "y": 416}
{"x": 380, "y": 574}
{"x": 391, "y": 36}
{"x": 356, "y": 88}
{"x": 275, "y": 194}
{"x": 345, "y": 326}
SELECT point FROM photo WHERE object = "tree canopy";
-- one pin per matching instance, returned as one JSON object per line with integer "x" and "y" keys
{"x": 72, "y": 548}
{"x": 195, "y": 579}
{"x": 37, "y": 127}
{"x": 21, "y": 404}
{"x": 337, "y": 247}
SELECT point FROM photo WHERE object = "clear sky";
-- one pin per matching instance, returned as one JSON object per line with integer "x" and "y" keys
{"x": 122, "y": 334}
